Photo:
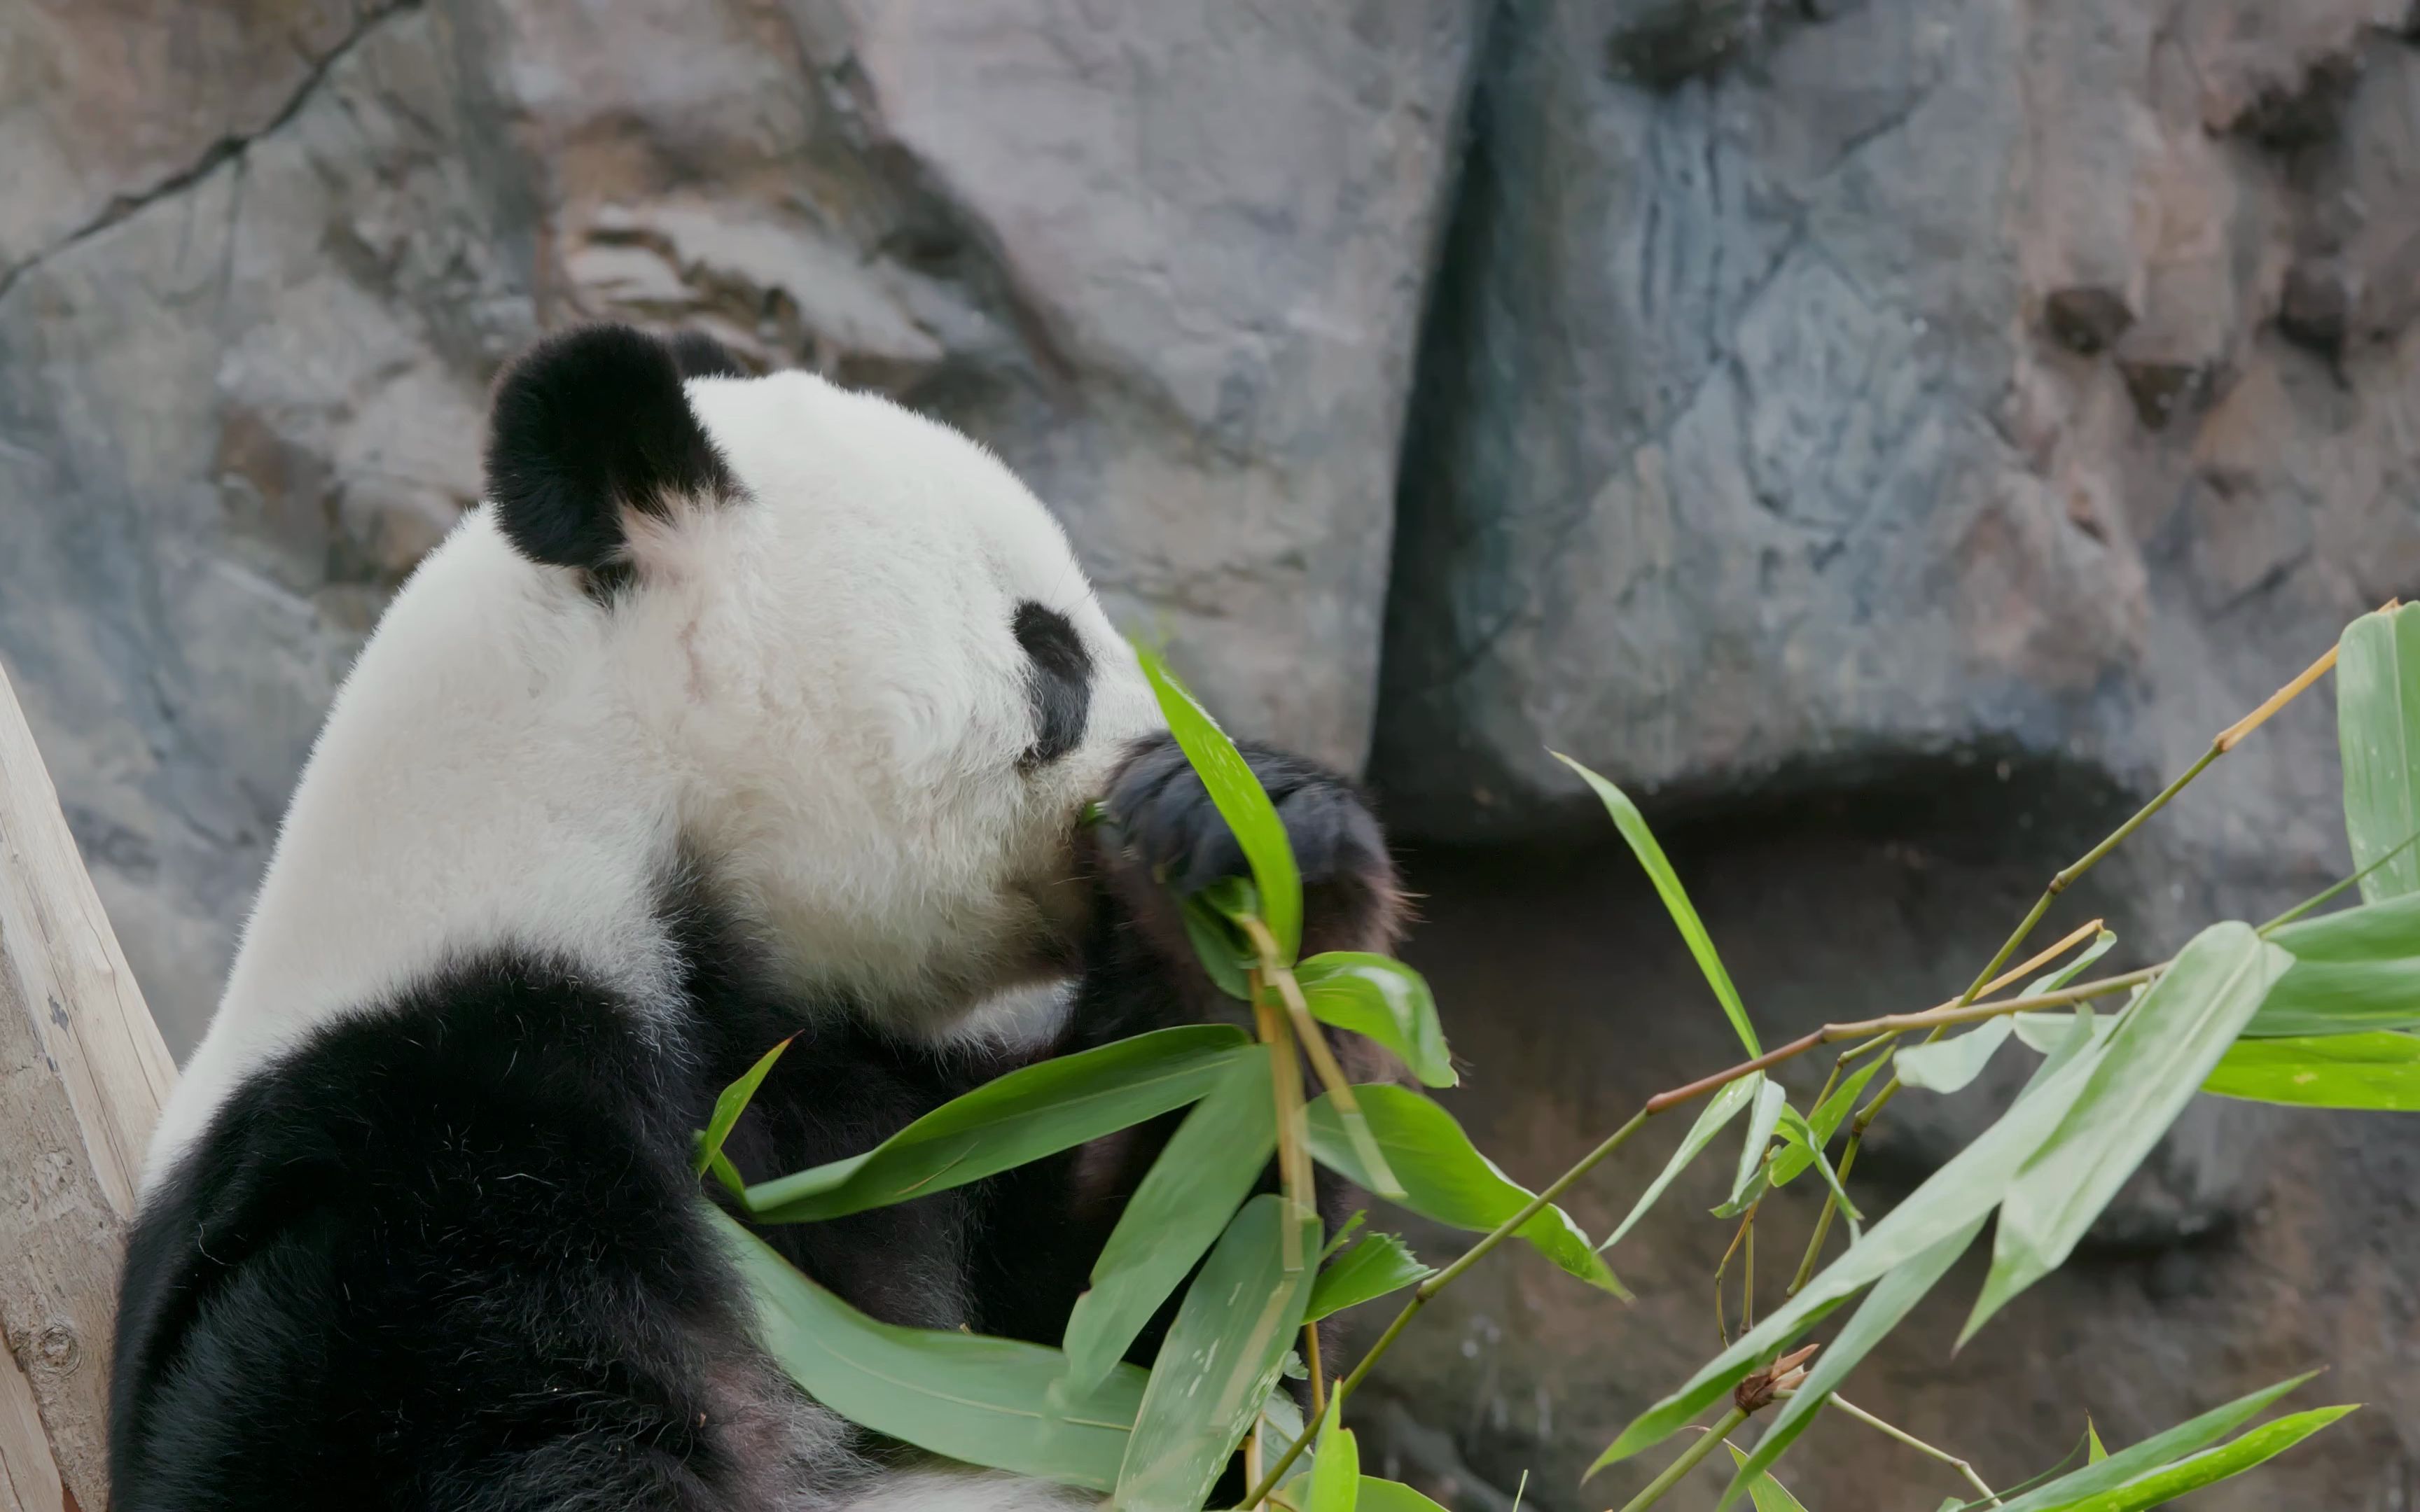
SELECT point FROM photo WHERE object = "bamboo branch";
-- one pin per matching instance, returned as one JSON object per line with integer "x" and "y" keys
{"x": 1273, "y": 974}
{"x": 1294, "y": 1153}
{"x": 1430, "y": 1287}
{"x": 2317, "y": 898}
{"x": 1318, "y": 1376}
{"x": 1948, "y": 1014}
{"x": 2226, "y": 740}
{"x": 1915, "y": 1443}
{"x": 1690, "y": 1457}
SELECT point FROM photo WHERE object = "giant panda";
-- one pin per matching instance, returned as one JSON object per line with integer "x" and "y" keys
{"x": 742, "y": 707}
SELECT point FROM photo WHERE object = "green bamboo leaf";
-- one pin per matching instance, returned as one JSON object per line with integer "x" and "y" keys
{"x": 1377, "y": 1177}
{"x": 2262, "y": 1444}
{"x": 2145, "y": 1072}
{"x": 1381, "y": 998}
{"x": 1627, "y": 819}
{"x": 2340, "y": 997}
{"x": 2086, "y": 1035}
{"x": 1796, "y": 1133}
{"x": 1949, "y": 1065}
{"x": 1378, "y": 1265}
{"x": 1830, "y": 1113}
{"x": 1208, "y": 1168}
{"x": 2388, "y": 930}
{"x": 1715, "y": 1380}
{"x": 985, "y": 1401}
{"x": 1826, "y": 1119}
{"x": 2044, "y": 1032}
{"x": 2136, "y": 1461}
{"x": 1766, "y": 1493}
{"x": 1220, "y": 1360}
{"x": 2040, "y": 1033}
{"x": 1221, "y": 950}
{"x": 2354, "y": 969}
{"x": 2378, "y": 734}
{"x": 1722, "y": 1109}
{"x": 1031, "y": 1112}
{"x": 1280, "y": 1423}
{"x": 1240, "y": 801}
{"x": 1446, "y": 1179}
{"x": 1759, "y": 1184}
{"x": 2376, "y": 1071}
{"x": 1336, "y": 1478}
{"x": 2094, "y": 1453}
{"x": 1962, "y": 1192}
{"x": 1393, "y": 1496}
{"x": 1344, "y": 1231}
{"x": 728, "y": 1104}
{"x": 1237, "y": 901}
{"x": 1885, "y": 1307}
{"x": 1748, "y": 1184}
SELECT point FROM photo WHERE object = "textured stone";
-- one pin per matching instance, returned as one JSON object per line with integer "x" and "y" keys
{"x": 1879, "y": 394}
{"x": 2087, "y": 320}
{"x": 230, "y": 418}
{"x": 104, "y": 106}
{"x": 2315, "y": 307}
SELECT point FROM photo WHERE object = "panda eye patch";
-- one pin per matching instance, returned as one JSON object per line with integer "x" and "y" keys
{"x": 1058, "y": 683}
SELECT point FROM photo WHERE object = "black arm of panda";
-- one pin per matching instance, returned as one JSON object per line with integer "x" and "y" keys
{"x": 1162, "y": 838}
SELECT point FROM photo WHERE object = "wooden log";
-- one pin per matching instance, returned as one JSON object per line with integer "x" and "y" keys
{"x": 83, "y": 1075}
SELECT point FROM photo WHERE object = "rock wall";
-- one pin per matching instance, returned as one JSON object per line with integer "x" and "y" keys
{"x": 1873, "y": 430}
{"x": 1831, "y": 386}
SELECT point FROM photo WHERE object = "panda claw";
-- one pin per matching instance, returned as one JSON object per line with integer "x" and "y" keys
{"x": 1172, "y": 827}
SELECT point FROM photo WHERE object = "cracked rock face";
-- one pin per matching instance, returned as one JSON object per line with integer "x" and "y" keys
{"x": 1907, "y": 380}
{"x": 240, "y": 393}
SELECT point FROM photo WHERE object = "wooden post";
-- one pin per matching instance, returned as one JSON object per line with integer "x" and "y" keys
{"x": 83, "y": 1074}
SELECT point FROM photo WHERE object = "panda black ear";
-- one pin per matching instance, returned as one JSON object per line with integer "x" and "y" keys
{"x": 586, "y": 425}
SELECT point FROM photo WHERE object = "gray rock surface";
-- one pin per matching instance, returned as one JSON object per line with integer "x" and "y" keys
{"x": 1889, "y": 434}
{"x": 238, "y": 399}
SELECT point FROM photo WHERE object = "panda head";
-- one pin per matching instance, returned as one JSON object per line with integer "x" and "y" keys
{"x": 863, "y": 652}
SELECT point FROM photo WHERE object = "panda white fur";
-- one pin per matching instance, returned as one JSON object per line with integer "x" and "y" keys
{"x": 744, "y": 707}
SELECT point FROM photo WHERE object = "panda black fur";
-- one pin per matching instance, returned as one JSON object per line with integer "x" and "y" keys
{"x": 746, "y": 707}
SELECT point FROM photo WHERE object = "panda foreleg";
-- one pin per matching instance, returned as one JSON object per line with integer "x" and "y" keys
{"x": 1045, "y": 1223}
{"x": 1163, "y": 838}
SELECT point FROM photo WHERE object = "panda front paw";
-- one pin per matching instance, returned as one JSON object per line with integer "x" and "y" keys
{"x": 1164, "y": 823}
